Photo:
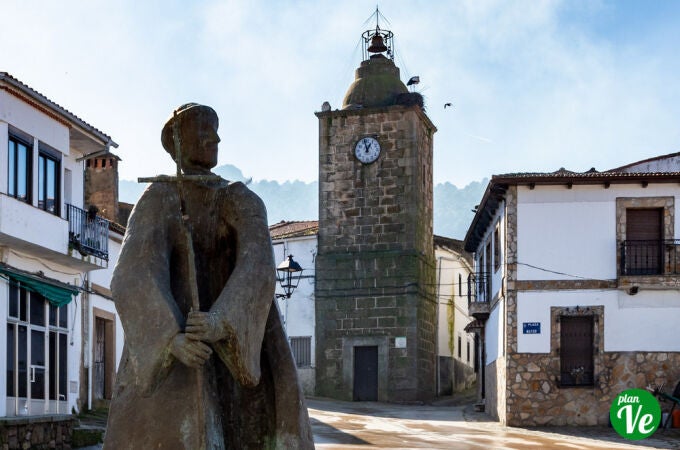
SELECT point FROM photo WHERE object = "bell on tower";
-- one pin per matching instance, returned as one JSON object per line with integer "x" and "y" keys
{"x": 376, "y": 80}
{"x": 377, "y": 44}
{"x": 377, "y": 41}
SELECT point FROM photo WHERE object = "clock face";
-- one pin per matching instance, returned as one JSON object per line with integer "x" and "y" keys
{"x": 367, "y": 150}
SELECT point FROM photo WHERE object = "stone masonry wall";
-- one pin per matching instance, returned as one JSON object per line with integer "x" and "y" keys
{"x": 537, "y": 398}
{"x": 375, "y": 270}
{"x": 50, "y": 432}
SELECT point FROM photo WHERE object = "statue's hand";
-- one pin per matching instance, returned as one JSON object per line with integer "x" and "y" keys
{"x": 204, "y": 326}
{"x": 190, "y": 352}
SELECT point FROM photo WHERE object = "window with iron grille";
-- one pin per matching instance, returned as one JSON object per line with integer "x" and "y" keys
{"x": 301, "y": 346}
{"x": 576, "y": 350}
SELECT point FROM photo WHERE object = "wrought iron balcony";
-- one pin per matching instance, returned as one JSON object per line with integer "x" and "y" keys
{"x": 88, "y": 233}
{"x": 479, "y": 287}
{"x": 656, "y": 257}
{"x": 479, "y": 294}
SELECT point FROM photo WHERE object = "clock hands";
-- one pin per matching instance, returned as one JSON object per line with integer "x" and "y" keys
{"x": 367, "y": 146}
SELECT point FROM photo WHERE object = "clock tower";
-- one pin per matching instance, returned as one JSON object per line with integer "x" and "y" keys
{"x": 375, "y": 269}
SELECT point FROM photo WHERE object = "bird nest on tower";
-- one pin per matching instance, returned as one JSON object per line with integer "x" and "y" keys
{"x": 411, "y": 99}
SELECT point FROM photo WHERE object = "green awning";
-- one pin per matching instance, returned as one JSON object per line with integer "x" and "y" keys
{"x": 56, "y": 292}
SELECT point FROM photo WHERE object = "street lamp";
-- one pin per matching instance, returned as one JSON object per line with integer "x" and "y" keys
{"x": 289, "y": 273}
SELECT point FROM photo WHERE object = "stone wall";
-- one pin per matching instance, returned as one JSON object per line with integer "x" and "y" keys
{"x": 375, "y": 267}
{"x": 43, "y": 432}
{"x": 464, "y": 376}
{"x": 307, "y": 379}
{"x": 537, "y": 398}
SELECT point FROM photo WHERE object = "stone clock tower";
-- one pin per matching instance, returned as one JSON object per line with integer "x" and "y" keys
{"x": 375, "y": 270}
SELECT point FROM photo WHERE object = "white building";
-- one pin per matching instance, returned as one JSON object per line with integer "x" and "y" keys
{"x": 297, "y": 312}
{"x": 577, "y": 289}
{"x": 63, "y": 338}
{"x": 456, "y": 347}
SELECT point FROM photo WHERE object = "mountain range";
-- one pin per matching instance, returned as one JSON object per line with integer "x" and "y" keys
{"x": 297, "y": 200}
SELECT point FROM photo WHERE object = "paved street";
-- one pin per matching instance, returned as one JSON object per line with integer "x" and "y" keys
{"x": 367, "y": 425}
{"x": 351, "y": 425}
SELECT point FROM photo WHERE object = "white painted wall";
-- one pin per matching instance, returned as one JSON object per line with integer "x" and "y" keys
{"x": 643, "y": 322}
{"x": 298, "y": 311}
{"x": 497, "y": 275}
{"x": 573, "y": 231}
{"x": 31, "y": 224}
{"x": 449, "y": 266}
{"x": 103, "y": 278}
{"x": 33, "y": 122}
{"x": 494, "y": 334}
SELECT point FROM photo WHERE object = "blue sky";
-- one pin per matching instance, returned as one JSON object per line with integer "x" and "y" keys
{"x": 536, "y": 85}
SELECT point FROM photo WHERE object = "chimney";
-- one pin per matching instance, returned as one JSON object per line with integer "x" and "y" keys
{"x": 101, "y": 184}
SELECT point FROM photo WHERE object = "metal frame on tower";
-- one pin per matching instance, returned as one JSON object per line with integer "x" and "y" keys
{"x": 378, "y": 40}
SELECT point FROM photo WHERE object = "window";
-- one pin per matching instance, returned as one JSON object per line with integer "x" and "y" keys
{"x": 497, "y": 248}
{"x": 19, "y": 169}
{"x": 576, "y": 350}
{"x": 460, "y": 347}
{"x": 645, "y": 235}
{"x": 302, "y": 350}
{"x": 37, "y": 351}
{"x": 643, "y": 248}
{"x": 48, "y": 182}
{"x": 468, "y": 351}
{"x": 460, "y": 285}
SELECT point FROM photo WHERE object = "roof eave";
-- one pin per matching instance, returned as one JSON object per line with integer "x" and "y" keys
{"x": 71, "y": 118}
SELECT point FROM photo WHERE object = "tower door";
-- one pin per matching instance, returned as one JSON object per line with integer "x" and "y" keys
{"x": 366, "y": 373}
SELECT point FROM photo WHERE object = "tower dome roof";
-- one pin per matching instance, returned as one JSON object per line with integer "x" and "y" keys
{"x": 376, "y": 84}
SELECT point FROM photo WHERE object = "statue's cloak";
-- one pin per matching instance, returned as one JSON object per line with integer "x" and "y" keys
{"x": 248, "y": 395}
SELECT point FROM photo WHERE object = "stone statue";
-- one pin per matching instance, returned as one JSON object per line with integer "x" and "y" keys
{"x": 206, "y": 364}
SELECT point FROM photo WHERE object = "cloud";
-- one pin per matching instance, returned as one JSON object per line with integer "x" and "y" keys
{"x": 536, "y": 85}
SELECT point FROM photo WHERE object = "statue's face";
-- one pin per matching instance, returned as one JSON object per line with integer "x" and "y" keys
{"x": 200, "y": 139}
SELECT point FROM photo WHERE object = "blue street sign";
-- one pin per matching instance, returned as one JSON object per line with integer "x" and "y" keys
{"x": 531, "y": 328}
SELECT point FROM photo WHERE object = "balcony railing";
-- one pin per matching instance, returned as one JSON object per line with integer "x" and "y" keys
{"x": 88, "y": 233}
{"x": 479, "y": 287}
{"x": 657, "y": 257}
